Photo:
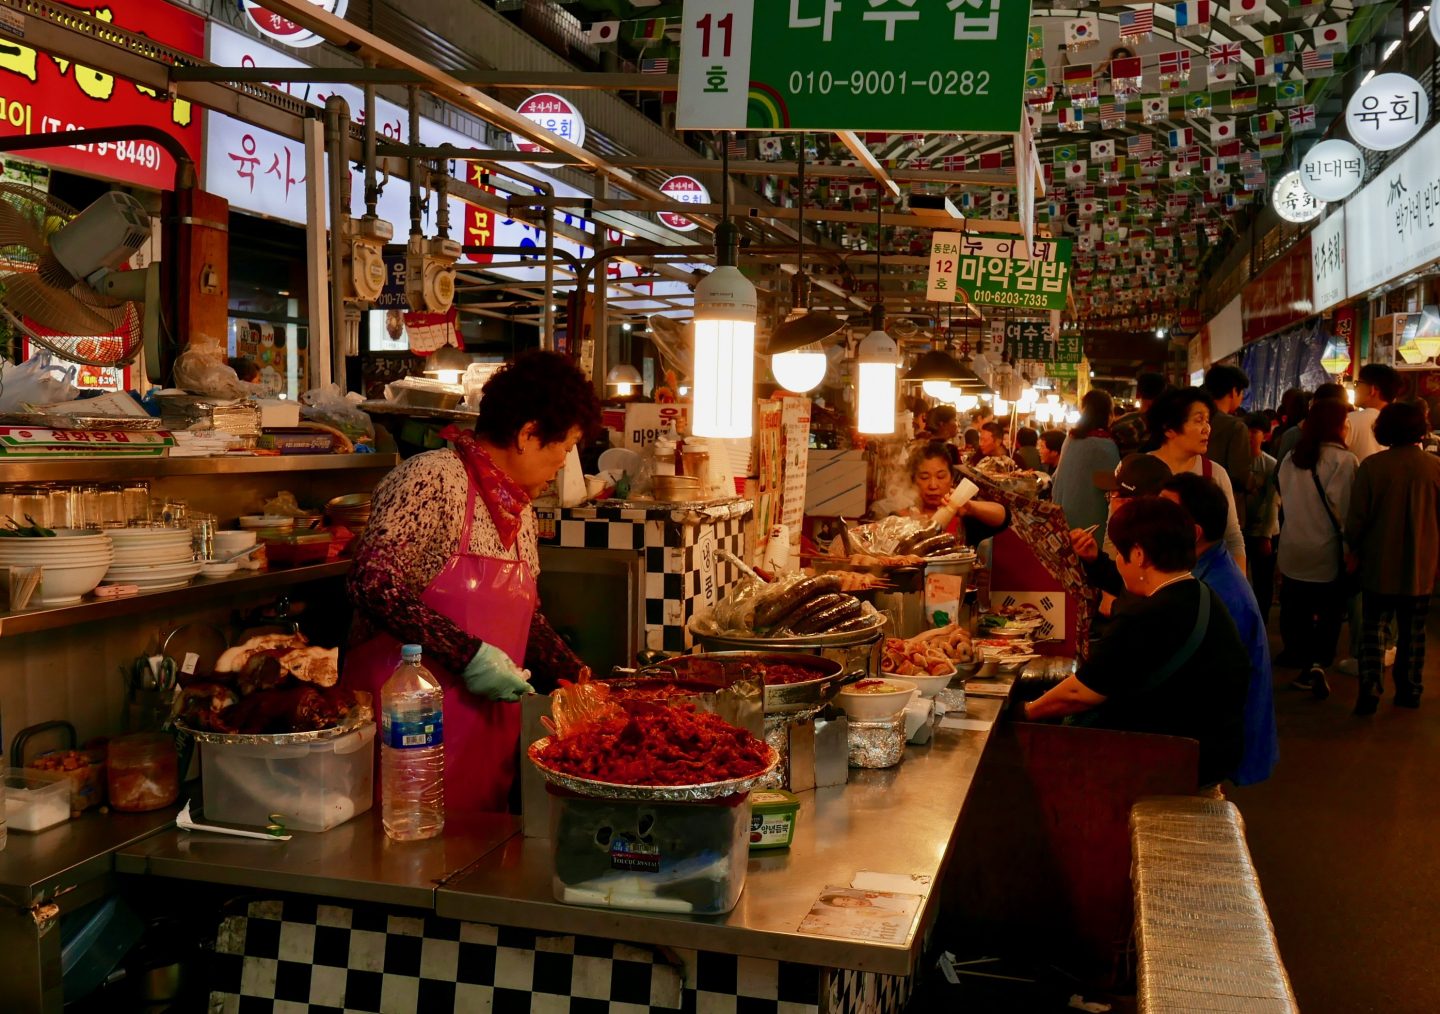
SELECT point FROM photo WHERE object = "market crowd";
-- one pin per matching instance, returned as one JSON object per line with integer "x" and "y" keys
{"x": 1192, "y": 516}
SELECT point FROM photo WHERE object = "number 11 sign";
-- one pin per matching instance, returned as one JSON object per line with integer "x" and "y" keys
{"x": 893, "y": 65}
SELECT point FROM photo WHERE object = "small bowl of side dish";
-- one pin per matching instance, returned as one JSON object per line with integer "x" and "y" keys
{"x": 928, "y": 686}
{"x": 871, "y": 699}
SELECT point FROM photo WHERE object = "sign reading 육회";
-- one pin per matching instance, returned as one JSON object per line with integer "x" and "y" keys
{"x": 1036, "y": 340}
{"x": 894, "y": 65}
{"x": 999, "y": 271}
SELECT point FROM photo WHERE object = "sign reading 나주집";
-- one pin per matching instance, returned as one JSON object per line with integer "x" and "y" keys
{"x": 999, "y": 271}
{"x": 892, "y": 65}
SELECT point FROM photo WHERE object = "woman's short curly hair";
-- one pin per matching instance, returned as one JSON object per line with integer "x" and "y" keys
{"x": 544, "y": 388}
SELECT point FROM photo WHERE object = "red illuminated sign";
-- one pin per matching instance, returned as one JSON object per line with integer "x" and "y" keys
{"x": 41, "y": 94}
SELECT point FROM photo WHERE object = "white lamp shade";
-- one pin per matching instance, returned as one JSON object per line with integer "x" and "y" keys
{"x": 941, "y": 389}
{"x": 878, "y": 362}
{"x": 724, "y": 376}
{"x": 801, "y": 370}
{"x": 966, "y": 402}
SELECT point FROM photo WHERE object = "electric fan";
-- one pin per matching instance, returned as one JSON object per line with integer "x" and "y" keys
{"x": 61, "y": 283}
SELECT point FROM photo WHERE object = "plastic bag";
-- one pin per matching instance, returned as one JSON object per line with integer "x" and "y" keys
{"x": 40, "y": 380}
{"x": 202, "y": 370}
{"x": 330, "y": 406}
{"x": 284, "y": 505}
{"x": 734, "y": 614}
{"x": 878, "y": 538}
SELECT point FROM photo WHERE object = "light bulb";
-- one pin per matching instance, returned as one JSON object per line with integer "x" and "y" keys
{"x": 1053, "y": 399}
{"x": 1073, "y": 417}
{"x": 878, "y": 364}
{"x": 624, "y": 390}
{"x": 1028, "y": 398}
{"x": 1002, "y": 407}
{"x": 801, "y": 370}
{"x": 942, "y": 390}
{"x": 448, "y": 376}
{"x": 724, "y": 374}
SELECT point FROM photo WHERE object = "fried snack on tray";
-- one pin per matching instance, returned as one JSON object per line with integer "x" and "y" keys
{"x": 931, "y": 653}
{"x": 852, "y": 582}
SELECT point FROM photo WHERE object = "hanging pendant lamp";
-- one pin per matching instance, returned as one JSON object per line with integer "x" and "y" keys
{"x": 725, "y": 314}
{"x": 877, "y": 363}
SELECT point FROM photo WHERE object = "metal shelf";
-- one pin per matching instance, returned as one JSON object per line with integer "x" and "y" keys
{"x": 30, "y": 621}
{"x": 40, "y": 867}
{"x": 113, "y": 469}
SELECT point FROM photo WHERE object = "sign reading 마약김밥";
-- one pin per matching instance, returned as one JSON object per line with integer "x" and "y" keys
{"x": 916, "y": 65}
{"x": 999, "y": 271}
{"x": 1037, "y": 341}
{"x": 1392, "y": 224}
{"x": 41, "y": 94}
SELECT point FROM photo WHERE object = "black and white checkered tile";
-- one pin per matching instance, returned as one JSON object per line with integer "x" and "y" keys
{"x": 301, "y": 956}
{"x": 671, "y": 551}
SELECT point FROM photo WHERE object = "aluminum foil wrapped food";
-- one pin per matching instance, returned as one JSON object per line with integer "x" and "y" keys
{"x": 777, "y": 735}
{"x": 877, "y": 744}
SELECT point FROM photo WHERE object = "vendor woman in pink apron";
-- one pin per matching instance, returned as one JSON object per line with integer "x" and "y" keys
{"x": 449, "y": 562}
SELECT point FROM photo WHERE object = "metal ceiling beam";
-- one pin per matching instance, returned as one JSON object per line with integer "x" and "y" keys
{"x": 868, "y": 161}
{"x": 529, "y": 79}
{"x": 586, "y": 206}
{"x": 374, "y": 49}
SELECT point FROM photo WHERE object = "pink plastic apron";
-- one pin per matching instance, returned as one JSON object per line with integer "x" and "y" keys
{"x": 490, "y": 598}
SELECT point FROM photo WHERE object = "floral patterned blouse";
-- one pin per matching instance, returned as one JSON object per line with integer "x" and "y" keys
{"x": 414, "y": 529}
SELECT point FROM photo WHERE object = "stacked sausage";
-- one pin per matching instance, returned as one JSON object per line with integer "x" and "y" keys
{"x": 811, "y": 605}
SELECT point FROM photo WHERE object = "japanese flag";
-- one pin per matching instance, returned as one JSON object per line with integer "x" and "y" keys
{"x": 1331, "y": 38}
{"x": 1087, "y": 208}
{"x": 1075, "y": 172}
{"x": 1222, "y": 130}
{"x": 1244, "y": 12}
{"x": 602, "y": 32}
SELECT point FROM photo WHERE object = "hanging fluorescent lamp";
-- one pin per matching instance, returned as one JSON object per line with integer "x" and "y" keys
{"x": 877, "y": 364}
{"x": 624, "y": 379}
{"x": 725, "y": 312}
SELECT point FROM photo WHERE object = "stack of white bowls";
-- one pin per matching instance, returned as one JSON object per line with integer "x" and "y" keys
{"x": 73, "y": 563}
{"x": 152, "y": 558}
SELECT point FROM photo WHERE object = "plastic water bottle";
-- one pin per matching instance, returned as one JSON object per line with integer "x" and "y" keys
{"x": 412, "y": 751}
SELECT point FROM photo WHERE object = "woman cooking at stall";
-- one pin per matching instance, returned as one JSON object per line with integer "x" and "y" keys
{"x": 934, "y": 478}
{"x": 449, "y": 561}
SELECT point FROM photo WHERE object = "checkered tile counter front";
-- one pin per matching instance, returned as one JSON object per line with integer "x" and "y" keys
{"x": 670, "y": 541}
{"x": 301, "y": 956}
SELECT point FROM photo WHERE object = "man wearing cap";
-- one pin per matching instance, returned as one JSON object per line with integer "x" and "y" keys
{"x": 1136, "y": 475}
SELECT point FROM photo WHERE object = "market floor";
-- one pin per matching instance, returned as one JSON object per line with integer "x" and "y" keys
{"x": 1344, "y": 837}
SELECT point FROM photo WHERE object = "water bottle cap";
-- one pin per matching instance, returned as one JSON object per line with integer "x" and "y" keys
{"x": 411, "y": 651}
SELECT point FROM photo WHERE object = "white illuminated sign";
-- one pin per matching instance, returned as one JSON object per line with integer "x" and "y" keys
{"x": 687, "y": 190}
{"x": 284, "y": 30}
{"x": 1292, "y": 201}
{"x": 1388, "y": 112}
{"x": 1332, "y": 170}
{"x": 1390, "y": 223}
{"x": 555, "y": 114}
{"x": 1327, "y": 261}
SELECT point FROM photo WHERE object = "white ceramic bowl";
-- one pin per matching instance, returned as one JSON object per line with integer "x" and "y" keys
{"x": 928, "y": 686}
{"x": 875, "y": 707}
{"x": 230, "y": 543}
{"x": 62, "y": 585}
{"x": 219, "y": 570}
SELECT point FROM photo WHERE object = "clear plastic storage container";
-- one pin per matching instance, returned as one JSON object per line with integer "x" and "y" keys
{"x": 314, "y": 786}
{"x": 35, "y": 800}
{"x": 651, "y": 857}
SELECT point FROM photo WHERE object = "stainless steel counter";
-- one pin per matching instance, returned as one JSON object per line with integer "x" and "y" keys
{"x": 39, "y": 867}
{"x": 354, "y": 861}
{"x": 899, "y": 820}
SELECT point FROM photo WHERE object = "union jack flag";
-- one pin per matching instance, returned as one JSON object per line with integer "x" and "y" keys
{"x": 1225, "y": 53}
{"x": 1152, "y": 159}
{"x": 920, "y": 163}
{"x": 1302, "y": 118}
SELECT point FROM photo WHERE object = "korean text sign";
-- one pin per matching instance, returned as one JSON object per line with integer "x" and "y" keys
{"x": 921, "y": 65}
{"x": 999, "y": 271}
{"x": 42, "y": 94}
{"x": 1036, "y": 340}
{"x": 1327, "y": 261}
{"x": 1392, "y": 224}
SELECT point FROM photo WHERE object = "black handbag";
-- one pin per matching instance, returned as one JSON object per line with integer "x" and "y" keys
{"x": 1349, "y": 583}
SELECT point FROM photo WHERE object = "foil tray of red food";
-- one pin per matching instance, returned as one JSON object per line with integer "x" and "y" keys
{"x": 650, "y": 742}
{"x": 362, "y": 714}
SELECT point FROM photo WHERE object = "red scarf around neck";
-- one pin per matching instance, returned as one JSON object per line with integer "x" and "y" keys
{"x": 502, "y": 495}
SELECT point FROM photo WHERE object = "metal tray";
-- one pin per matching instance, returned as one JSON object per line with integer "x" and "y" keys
{"x": 648, "y": 793}
{"x": 799, "y": 642}
{"x": 794, "y": 700}
{"x": 363, "y": 714}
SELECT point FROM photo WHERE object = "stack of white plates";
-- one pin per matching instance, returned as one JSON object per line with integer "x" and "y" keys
{"x": 73, "y": 563}
{"x": 152, "y": 558}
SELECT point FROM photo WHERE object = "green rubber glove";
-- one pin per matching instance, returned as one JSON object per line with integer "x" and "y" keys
{"x": 492, "y": 675}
